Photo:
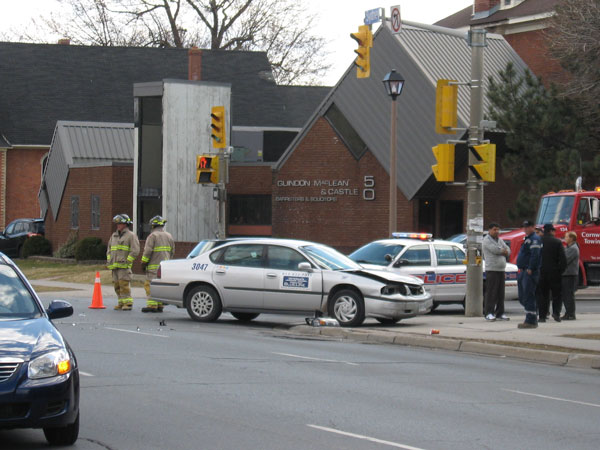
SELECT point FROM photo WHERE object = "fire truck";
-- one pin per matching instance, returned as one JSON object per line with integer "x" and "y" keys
{"x": 576, "y": 211}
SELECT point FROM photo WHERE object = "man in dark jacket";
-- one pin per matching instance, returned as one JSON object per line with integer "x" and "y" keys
{"x": 528, "y": 262}
{"x": 554, "y": 263}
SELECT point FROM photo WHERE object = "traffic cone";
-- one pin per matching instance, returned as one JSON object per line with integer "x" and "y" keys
{"x": 97, "y": 297}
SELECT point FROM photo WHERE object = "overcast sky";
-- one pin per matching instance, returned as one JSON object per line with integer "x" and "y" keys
{"x": 337, "y": 19}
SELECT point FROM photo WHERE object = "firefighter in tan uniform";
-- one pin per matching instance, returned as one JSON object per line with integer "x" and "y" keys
{"x": 159, "y": 247}
{"x": 122, "y": 249}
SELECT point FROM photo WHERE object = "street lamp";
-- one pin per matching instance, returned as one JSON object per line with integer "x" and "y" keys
{"x": 393, "y": 82}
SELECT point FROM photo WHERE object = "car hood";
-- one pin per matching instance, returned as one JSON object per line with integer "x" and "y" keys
{"x": 26, "y": 339}
{"x": 385, "y": 276}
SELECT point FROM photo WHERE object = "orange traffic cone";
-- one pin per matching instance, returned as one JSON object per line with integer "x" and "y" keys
{"x": 97, "y": 297}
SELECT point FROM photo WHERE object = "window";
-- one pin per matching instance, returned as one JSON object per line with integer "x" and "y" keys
{"x": 75, "y": 211}
{"x": 345, "y": 131}
{"x": 95, "y": 212}
{"x": 584, "y": 214}
{"x": 418, "y": 255}
{"x": 446, "y": 256}
{"x": 275, "y": 143}
{"x": 250, "y": 210}
{"x": 283, "y": 258}
{"x": 243, "y": 255}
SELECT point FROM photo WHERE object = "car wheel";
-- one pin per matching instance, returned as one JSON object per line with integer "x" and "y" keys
{"x": 347, "y": 307}
{"x": 203, "y": 304}
{"x": 434, "y": 306}
{"x": 245, "y": 317}
{"x": 387, "y": 321}
{"x": 66, "y": 435}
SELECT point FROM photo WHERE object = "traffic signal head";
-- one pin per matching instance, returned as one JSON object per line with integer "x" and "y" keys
{"x": 207, "y": 169}
{"x": 217, "y": 125}
{"x": 485, "y": 168}
{"x": 446, "y": 103}
{"x": 364, "y": 37}
{"x": 444, "y": 169}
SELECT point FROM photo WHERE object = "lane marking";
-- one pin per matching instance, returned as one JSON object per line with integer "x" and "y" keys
{"x": 553, "y": 398}
{"x": 366, "y": 438}
{"x": 85, "y": 374}
{"x": 136, "y": 332}
{"x": 315, "y": 359}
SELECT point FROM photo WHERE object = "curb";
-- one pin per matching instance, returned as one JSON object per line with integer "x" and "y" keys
{"x": 578, "y": 360}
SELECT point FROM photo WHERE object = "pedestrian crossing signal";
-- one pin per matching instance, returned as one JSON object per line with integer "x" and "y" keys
{"x": 207, "y": 169}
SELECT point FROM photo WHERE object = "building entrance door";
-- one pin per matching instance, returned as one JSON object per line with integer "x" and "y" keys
{"x": 451, "y": 218}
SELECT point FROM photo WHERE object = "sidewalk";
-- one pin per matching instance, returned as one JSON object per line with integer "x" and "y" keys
{"x": 552, "y": 342}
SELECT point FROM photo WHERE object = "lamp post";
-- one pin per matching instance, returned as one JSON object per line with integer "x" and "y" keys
{"x": 393, "y": 82}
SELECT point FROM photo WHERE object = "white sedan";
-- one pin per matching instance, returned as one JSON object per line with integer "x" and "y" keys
{"x": 248, "y": 277}
{"x": 440, "y": 264}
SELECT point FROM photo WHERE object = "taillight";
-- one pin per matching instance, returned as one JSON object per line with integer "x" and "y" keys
{"x": 33, "y": 234}
{"x": 158, "y": 272}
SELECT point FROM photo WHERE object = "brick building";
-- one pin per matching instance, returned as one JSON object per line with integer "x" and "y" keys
{"x": 524, "y": 25}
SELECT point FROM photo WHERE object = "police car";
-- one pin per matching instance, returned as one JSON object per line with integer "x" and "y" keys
{"x": 440, "y": 264}
{"x": 248, "y": 277}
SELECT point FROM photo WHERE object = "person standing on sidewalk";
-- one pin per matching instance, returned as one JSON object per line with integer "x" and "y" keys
{"x": 122, "y": 249}
{"x": 495, "y": 254}
{"x": 528, "y": 262}
{"x": 159, "y": 247}
{"x": 570, "y": 275}
{"x": 553, "y": 265}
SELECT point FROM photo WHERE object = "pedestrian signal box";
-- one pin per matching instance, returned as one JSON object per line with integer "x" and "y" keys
{"x": 446, "y": 105}
{"x": 207, "y": 169}
{"x": 444, "y": 169}
{"x": 217, "y": 125}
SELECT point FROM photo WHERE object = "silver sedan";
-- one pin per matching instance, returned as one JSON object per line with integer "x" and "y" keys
{"x": 249, "y": 277}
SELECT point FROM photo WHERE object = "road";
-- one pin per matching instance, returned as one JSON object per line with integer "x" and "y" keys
{"x": 185, "y": 385}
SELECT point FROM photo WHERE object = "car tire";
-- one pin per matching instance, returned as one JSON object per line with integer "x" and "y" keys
{"x": 203, "y": 304}
{"x": 347, "y": 307}
{"x": 387, "y": 321}
{"x": 66, "y": 435}
{"x": 245, "y": 317}
{"x": 434, "y": 306}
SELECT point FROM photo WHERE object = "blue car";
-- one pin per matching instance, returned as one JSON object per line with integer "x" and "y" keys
{"x": 39, "y": 377}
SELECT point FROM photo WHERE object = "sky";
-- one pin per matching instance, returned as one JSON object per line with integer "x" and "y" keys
{"x": 336, "y": 20}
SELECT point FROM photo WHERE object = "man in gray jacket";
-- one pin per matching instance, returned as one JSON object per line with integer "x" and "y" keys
{"x": 570, "y": 275}
{"x": 495, "y": 254}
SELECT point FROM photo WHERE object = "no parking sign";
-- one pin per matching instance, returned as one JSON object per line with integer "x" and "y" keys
{"x": 395, "y": 20}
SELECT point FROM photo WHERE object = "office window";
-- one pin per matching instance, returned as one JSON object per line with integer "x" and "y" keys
{"x": 345, "y": 131}
{"x": 75, "y": 211}
{"x": 95, "y": 212}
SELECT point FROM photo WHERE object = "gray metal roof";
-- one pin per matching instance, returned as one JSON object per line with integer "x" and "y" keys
{"x": 82, "y": 144}
{"x": 422, "y": 57}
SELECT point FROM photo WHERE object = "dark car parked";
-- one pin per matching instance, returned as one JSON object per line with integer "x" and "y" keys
{"x": 39, "y": 377}
{"x": 16, "y": 233}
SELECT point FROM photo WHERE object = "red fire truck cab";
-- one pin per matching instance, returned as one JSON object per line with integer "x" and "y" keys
{"x": 569, "y": 211}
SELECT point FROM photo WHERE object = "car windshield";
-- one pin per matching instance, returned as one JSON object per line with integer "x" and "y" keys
{"x": 374, "y": 253}
{"x": 328, "y": 258}
{"x": 555, "y": 209}
{"x": 16, "y": 301}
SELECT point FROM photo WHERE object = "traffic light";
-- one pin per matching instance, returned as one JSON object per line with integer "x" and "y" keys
{"x": 444, "y": 169}
{"x": 364, "y": 37}
{"x": 218, "y": 134}
{"x": 207, "y": 169}
{"x": 446, "y": 103}
{"x": 485, "y": 170}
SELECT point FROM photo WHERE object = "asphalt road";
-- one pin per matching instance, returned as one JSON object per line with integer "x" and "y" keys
{"x": 185, "y": 385}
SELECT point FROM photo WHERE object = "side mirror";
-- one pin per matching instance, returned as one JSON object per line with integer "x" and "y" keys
{"x": 59, "y": 309}
{"x": 305, "y": 267}
{"x": 595, "y": 207}
{"x": 401, "y": 262}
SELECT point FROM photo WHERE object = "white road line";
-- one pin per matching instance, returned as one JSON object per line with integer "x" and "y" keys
{"x": 136, "y": 332}
{"x": 315, "y": 359}
{"x": 553, "y": 398}
{"x": 366, "y": 438}
{"x": 85, "y": 374}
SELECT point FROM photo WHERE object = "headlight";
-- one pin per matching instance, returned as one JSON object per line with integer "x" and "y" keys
{"x": 394, "y": 289}
{"x": 49, "y": 365}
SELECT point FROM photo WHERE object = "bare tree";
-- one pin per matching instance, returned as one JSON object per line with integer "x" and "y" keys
{"x": 282, "y": 28}
{"x": 575, "y": 40}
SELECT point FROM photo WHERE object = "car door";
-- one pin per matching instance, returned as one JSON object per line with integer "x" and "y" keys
{"x": 286, "y": 287}
{"x": 239, "y": 276}
{"x": 416, "y": 260}
{"x": 451, "y": 273}
{"x": 8, "y": 244}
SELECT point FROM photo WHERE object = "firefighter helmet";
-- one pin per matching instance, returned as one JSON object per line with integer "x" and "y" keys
{"x": 158, "y": 221}
{"x": 122, "y": 218}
